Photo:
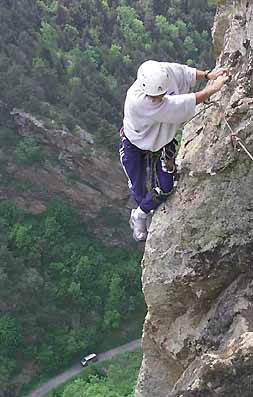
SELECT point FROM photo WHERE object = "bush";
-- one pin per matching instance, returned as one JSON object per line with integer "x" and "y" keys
{"x": 29, "y": 152}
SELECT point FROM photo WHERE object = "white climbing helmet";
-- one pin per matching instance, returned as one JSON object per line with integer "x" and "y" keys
{"x": 153, "y": 78}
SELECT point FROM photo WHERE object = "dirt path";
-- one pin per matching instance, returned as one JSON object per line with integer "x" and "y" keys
{"x": 43, "y": 389}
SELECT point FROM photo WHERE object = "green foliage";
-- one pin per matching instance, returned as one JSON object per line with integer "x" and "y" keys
{"x": 29, "y": 152}
{"x": 93, "y": 55}
{"x": 117, "y": 379}
{"x": 66, "y": 289}
{"x": 73, "y": 61}
{"x": 21, "y": 235}
{"x": 112, "y": 319}
{"x": 92, "y": 389}
{"x": 10, "y": 343}
{"x": 48, "y": 36}
{"x": 9, "y": 334}
{"x": 131, "y": 27}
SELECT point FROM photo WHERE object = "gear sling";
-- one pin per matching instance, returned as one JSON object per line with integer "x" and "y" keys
{"x": 150, "y": 174}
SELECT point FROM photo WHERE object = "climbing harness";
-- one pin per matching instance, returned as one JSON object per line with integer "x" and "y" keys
{"x": 167, "y": 157}
{"x": 168, "y": 160}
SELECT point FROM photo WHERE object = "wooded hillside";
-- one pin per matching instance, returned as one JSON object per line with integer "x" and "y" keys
{"x": 70, "y": 63}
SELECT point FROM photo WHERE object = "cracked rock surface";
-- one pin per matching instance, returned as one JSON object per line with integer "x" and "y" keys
{"x": 197, "y": 267}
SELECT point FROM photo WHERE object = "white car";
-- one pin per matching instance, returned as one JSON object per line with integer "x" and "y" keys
{"x": 91, "y": 358}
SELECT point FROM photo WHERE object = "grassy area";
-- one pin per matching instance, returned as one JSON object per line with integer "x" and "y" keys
{"x": 120, "y": 372}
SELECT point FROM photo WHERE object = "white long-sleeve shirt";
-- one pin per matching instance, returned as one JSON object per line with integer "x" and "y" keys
{"x": 149, "y": 125}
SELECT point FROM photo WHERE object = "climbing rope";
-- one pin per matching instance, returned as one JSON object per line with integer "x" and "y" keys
{"x": 233, "y": 136}
{"x": 236, "y": 140}
{"x": 201, "y": 111}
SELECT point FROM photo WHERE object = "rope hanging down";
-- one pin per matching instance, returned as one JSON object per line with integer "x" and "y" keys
{"x": 233, "y": 136}
{"x": 236, "y": 140}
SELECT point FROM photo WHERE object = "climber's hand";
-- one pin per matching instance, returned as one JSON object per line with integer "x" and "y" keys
{"x": 214, "y": 74}
{"x": 219, "y": 82}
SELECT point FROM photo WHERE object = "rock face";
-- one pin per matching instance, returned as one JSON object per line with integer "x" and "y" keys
{"x": 197, "y": 266}
{"x": 76, "y": 171}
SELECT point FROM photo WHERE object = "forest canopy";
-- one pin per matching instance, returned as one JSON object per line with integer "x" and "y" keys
{"x": 64, "y": 293}
{"x": 71, "y": 61}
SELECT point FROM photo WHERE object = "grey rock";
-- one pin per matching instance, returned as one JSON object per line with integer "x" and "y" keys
{"x": 197, "y": 265}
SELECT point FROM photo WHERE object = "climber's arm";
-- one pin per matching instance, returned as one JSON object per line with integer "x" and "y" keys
{"x": 203, "y": 95}
{"x": 211, "y": 75}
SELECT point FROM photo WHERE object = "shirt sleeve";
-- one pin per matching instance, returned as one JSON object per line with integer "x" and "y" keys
{"x": 174, "y": 109}
{"x": 184, "y": 75}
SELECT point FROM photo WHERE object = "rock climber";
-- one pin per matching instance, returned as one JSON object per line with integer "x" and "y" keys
{"x": 155, "y": 105}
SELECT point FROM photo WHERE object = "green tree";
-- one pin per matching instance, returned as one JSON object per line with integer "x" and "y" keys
{"x": 112, "y": 319}
{"x": 29, "y": 152}
{"x": 10, "y": 337}
{"x": 80, "y": 388}
{"x": 131, "y": 26}
{"x": 48, "y": 36}
{"x": 116, "y": 291}
{"x": 189, "y": 46}
{"x": 22, "y": 235}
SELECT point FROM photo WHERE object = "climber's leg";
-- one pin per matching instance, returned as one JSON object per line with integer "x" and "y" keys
{"x": 161, "y": 192}
{"x": 133, "y": 162}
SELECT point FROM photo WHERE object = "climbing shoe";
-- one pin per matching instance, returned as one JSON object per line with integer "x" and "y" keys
{"x": 138, "y": 223}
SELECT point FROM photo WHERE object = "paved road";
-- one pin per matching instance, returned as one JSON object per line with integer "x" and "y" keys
{"x": 43, "y": 389}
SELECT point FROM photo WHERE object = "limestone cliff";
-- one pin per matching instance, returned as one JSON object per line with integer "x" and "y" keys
{"x": 197, "y": 267}
{"x": 75, "y": 170}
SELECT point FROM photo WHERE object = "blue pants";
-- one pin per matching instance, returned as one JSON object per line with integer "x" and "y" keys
{"x": 134, "y": 163}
